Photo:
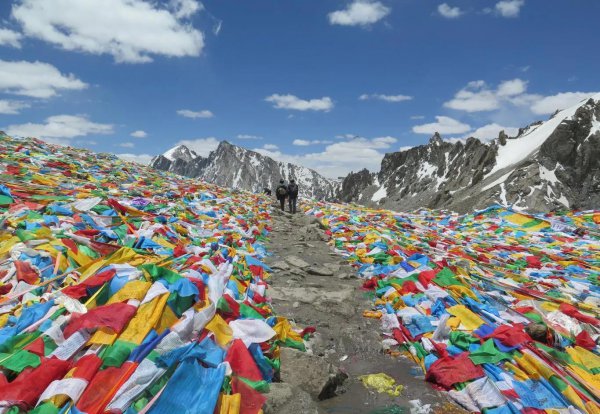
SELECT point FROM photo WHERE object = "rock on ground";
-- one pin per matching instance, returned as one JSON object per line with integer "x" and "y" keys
{"x": 310, "y": 373}
{"x": 319, "y": 271}
{"x": 283, "y": 398}
{"x": 296, "y": 262}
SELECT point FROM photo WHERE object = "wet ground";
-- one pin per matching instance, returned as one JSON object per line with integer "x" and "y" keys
{"x": 334, "y": 304}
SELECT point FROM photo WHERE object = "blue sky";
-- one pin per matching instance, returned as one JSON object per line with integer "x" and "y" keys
{"x": 331, "y": 84}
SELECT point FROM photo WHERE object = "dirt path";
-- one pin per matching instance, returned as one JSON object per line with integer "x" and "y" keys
{"x": 324, "y": 292}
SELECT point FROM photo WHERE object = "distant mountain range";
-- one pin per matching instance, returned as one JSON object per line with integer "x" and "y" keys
{"x": 240, "y": 168}
{"x": 549, "y": 165}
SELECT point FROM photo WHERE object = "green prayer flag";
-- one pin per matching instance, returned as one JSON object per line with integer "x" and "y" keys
{"x": 20, "y": 360}
{"x": 488, "y": 353}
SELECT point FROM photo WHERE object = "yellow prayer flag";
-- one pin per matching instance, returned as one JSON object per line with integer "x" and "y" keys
{"x": 222, "y": 331}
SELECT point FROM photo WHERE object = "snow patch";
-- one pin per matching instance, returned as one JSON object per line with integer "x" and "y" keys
{"x": 548, "y": 175}
{"x": 254, "y": 161}
{"x": 563, "y": 200}
{"x": 379, "y": 194}
{"x": 427, "y": 169}
{"x": 169, "y": 154}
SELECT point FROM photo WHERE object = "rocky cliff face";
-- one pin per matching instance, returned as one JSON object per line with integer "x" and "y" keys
{"x": 237, "y": 167}
{"x": 549, "y": 165}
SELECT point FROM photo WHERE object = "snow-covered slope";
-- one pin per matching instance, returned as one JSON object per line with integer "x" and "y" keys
{"x": 516, "y": 150}
{"x": 549, "y": 165}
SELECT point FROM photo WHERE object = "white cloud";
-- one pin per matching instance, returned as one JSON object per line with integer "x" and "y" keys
{"x": 185, "y": 8}
{"x": 10, "y": 38}
{"x": 270, "y": 147}
{"x": 126, "y": 145}
{"x": 445, "y": 10}
{"x": 202, "y": 146}
{"x": 35, "y": 79}
{"x": 509, "y": 8}
{"x": 11, "y": 107}
{"x": 139, "y": 134}
{"x": 512, "y": 87}
{"x": 248, "y": 136}
{"x": 293, "y": 102}
{"x": 549, "y": 104}
{"x": 340, "y": 158}
{"x": 143, "y": 159}
{"x": 444, "y": 125}
{"x": 306, "y": 142}
{"x": 405, "y": 148}
{"x": 386, "y": 98}
{"x": 491, "y": 131}
{"x": 346, "y": 136}
{"x": 359, "y": 13}
{"x": 60, "y": 128}
{"x": 129, "y": 30}
{"x": 477, "y": 96}
{"x": 195, "y": 114}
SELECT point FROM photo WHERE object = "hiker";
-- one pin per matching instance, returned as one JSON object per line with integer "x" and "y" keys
{"x": 267, "y": 191}
{"x": 292, "y": 191}
{"x": 281, "y": 193}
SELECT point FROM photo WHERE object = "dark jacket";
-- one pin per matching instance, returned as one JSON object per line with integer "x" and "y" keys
{"x": 292, "y": 190}
{"x": 277, "y": 191}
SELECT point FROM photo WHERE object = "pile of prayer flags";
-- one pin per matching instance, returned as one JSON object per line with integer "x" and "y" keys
{"x": 498, "y": 307}
{"x": 128, "y": 290}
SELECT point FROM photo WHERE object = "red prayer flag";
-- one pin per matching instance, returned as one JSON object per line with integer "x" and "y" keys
{"x": 241, "y": 361}
{"x": 25, "y": 390}
{"x": 448, "y": 371}
{"x": 114, "y": 316}
{"x": 252, "y": 401}
{"x": 26, "y": 273}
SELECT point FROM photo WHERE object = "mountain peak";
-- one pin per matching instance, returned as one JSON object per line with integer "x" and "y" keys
{"x": 226, "y": 144}
{"x": 180, "y": 152}
{"x": 436, "y": 139}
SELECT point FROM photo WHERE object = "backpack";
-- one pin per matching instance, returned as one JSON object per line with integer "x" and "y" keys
{"x": 281, "y": 191}
{"x": 293, "y": 190}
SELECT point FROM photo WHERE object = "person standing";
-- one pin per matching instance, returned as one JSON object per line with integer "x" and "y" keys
{"x": 281, "y": 193}
{"x": 292, "y": 192}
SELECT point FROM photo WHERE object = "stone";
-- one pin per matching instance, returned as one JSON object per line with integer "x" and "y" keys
{"x": 319, "y": 271}
{"x": 333, "y": 266}
{"x": 283, "y": 398}
{"x": 310, "y": 373}
{"x": 295, "y": 261}
{"x": 280, "y": 265}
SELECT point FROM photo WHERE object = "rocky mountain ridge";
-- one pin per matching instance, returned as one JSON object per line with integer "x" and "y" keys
{"x": 241, "y": 168}
{"x": 549, "y": 165}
